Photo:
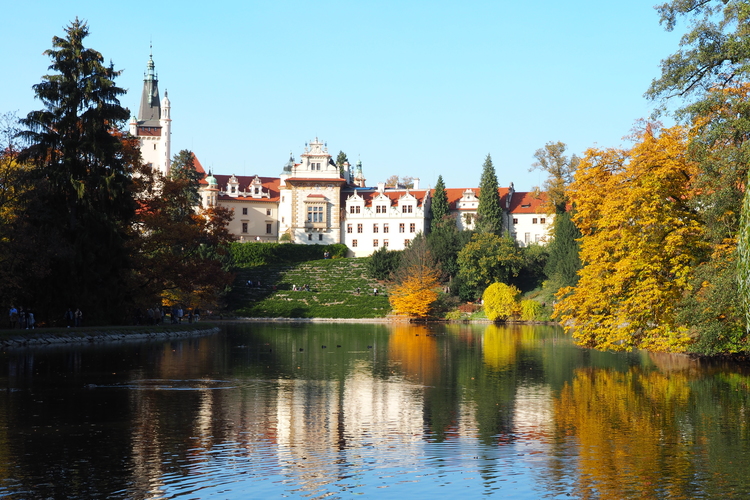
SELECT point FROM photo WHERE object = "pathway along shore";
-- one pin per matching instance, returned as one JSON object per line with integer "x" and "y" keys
{"x": 26, "y": 338}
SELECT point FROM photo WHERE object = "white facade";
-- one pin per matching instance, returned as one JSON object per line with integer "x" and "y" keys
{"x": 310, "y": 192}
{"x": 380, "y": 218}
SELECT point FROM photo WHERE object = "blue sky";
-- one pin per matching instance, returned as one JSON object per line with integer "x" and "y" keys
{"x": 419, "y": 88}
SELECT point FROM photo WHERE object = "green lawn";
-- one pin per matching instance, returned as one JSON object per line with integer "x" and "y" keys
{"x": 333, "y": 293}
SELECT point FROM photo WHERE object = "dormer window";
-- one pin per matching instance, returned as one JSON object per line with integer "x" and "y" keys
{"x": 407, "y": 209}
{"x": 232, "y": 189}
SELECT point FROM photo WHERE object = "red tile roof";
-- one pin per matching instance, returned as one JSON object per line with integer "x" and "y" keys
{"x": 270, "y": 185}
{"x": 527, "y": 203}
{"x": 455, "y": 194}
{"x": 394, "y": 196}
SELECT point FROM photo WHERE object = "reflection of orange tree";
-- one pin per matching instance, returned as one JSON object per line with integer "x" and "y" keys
{"x": 416, "y": 352}
{"x": 629, "y": 439}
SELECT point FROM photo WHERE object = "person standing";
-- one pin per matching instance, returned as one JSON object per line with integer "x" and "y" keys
{"x": 13, "y": 316}
{"x": 78, "y": 317}
{"x": 69, "y": 317}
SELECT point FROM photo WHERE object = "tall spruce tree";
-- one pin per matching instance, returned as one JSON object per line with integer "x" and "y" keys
{"x": 564, "y": 262}
{"x": 489, "y": 211}
{"x": 84, "y": 199}
{"x": 439, "y": 206}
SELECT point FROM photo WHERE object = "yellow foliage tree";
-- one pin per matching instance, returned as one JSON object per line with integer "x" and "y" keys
{"x": 416, "y": 294}
{"x": 500, "y": 301}
{"x": 640, "y": 241}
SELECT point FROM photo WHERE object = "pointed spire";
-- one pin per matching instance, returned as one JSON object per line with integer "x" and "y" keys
{"x": 150, "y": 110}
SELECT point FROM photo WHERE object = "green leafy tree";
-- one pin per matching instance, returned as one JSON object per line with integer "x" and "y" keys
{"x": 531, "y": 275}
{"x": 445, "y": 243}
{"x": 560, "y": 169}
{"x": 83, "y": 200}
{"x": 183, "y": 171}
{"x": 489, "y": 211}
{"x": 439, "y": 209}
{"x": 709, "y": 76}
{"x": 488, "y": 258}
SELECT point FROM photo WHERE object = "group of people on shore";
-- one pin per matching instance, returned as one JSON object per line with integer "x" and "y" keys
{"x": 73, "y": 318}
{"x": 157, "y": 315}
{"x": 301, "y": 288}
{"x": 21, "y": 318}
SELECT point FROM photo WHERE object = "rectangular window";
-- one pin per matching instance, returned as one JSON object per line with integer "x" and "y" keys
{"x": 385, "y": 228}
{"x": 268, "y": 228}
{"x": 401, "y": 228}
{"x": 244, "y": 211}
{"x": 359, "y": 228}
{"x": 542, "y": 220}
{"x": 315, "y": 214}
{"x": 381, "y": 209}
{"x": 515, "y": 221}
{"x": 533, "y": 221}
{"x": 406, "y": 243}
{"x": 536, "y": 238}
{"x": 268, "y": 211}
{"x": 385, "y": 243}
{"x": 354, "y": 243}
{"x": 374, "y": 228}
{"x": 412, "y": 228}
{"x": 526, "y": 237}
{"x": 320, "y": 237}
{"x": 375, "y": 243}
{"x": 244, "y": 227}
{"x": 406, "y": 209}
{"x": 354, "y": 209}
{"x": 348, "y": 228}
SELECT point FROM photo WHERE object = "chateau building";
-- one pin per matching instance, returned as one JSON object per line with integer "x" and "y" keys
{"x": 313, "y": 201}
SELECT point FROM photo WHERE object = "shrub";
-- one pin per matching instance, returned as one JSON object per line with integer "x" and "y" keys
{"x": 500, "y": 301}
{"x": 531, "y": 310}
{"x": 259, "y": 254}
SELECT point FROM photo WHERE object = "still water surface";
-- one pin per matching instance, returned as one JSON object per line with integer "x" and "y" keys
{"x": 341, "y": 410}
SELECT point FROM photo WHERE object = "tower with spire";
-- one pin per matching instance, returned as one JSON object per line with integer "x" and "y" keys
{"x": 153, "y": 126}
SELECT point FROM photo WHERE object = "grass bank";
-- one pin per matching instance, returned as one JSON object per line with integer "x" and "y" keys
{"x": 338, "y": 288}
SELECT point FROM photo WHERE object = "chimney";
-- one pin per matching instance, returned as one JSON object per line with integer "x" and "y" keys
{"x": 416, "y": 183}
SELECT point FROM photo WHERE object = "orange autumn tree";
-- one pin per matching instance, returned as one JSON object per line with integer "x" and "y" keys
{"x": 641, "y": 239}
{"x": 417, "y": 279}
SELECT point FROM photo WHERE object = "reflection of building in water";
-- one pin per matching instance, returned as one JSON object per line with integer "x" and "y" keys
{"x": 533, "y": 418}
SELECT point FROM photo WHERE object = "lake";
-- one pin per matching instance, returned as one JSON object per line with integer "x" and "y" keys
{"x": 325, "y": 410}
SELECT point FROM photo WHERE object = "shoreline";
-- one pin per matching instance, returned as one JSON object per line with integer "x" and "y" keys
{"x": 95, "y": 336}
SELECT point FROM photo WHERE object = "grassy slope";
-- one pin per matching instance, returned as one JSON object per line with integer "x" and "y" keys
{"x": 332, "y": 294}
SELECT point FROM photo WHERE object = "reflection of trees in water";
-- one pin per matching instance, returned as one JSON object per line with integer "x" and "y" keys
{"x": 644, "y": 433}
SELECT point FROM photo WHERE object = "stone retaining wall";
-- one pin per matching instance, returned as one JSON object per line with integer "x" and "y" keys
{"x": 90, "y": 337}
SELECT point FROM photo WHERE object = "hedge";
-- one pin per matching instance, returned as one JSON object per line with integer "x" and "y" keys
{"x": 259, "y": 254}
